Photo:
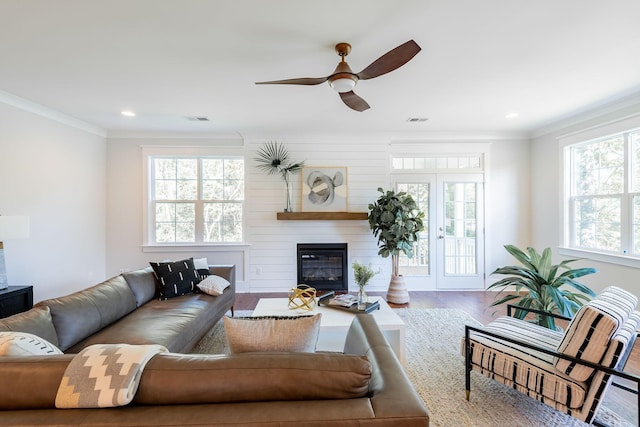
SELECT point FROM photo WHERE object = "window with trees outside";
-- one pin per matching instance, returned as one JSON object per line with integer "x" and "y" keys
{"x": 603, "y": 212}
{"x": 195, "y": 199}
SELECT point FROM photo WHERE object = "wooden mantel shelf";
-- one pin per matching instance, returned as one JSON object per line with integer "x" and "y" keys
{"x": 282, "y": 216}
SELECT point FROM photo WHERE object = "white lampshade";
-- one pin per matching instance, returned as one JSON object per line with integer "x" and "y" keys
{"x": 14, "y": 227}
{"x": 343, "y": 85}
{"x": 11, "y": 227}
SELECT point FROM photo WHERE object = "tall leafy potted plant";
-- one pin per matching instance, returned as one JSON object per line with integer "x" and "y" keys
{"x": 396, "y": 221}
{"x": 544, "y": 283}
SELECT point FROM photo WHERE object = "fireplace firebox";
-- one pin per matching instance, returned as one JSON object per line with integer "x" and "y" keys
{"x": 323, "y": 266}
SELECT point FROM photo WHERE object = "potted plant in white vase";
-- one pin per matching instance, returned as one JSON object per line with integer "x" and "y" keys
{"x": 397, "y": 222}
{"x": 362, "y": 274}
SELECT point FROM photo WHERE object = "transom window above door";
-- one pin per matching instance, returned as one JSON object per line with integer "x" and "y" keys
{"x": 469, "y": 162}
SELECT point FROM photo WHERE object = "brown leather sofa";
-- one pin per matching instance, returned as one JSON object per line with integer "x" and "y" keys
{"x": 126, "y": 309}
{"x": 251, "y": 389}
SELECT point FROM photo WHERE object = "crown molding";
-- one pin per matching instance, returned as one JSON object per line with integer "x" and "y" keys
{"x": 599, "y": 111}
{"x": 50, "y": 113}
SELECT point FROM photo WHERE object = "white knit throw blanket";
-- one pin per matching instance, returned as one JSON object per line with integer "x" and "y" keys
{"x": 104, "y": 375}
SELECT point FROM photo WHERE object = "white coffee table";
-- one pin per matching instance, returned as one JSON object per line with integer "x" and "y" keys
{"x": 335, "y": 323}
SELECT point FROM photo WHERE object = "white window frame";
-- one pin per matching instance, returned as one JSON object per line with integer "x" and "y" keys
{"x": 624, "y": 124}
{"x": 150, "y": 152}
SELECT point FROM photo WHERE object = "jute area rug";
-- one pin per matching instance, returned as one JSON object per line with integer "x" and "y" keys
{"x": 436, "y": 369}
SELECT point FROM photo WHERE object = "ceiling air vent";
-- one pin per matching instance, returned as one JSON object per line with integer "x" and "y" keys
{"x": 198, "y": 118}
{"x": 417, "y": 119}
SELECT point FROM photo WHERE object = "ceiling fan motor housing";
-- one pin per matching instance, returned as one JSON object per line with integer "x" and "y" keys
{"x": 343, "y": 79}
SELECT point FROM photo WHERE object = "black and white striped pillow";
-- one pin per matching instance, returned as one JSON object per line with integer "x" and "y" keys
{"x": 24, "y": 344}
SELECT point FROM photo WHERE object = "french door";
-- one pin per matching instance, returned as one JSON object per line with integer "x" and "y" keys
{"x": 450, "y": 251}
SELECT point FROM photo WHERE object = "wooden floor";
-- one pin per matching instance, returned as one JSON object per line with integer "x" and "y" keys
{"x": 477, "y": 304}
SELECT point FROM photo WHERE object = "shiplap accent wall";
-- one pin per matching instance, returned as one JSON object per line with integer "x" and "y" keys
{"x": 271, "y": 259}
{"x": 267, "y": 260}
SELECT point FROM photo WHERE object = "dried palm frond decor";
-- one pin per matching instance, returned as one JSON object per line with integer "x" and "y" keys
{"x": 273, "y": 158}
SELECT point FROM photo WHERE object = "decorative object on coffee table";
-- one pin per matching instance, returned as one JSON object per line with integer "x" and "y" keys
{"x": 273, "y": 158}
{"x": 343, "y": 302}
{"x": 396, "y": 221}
{"x": 302, "y": 297}
{"x": 362, "y": 274}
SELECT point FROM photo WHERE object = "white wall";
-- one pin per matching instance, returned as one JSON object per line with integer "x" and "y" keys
{"x": 268, "y": 262}
{"x": 508, "y": 202}
{"x": 547, "y": 182}
{"x": 54, "y": 174}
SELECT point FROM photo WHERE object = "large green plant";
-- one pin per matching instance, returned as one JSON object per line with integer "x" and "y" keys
{"x": 396, "y": 221}
{"x": 544, "y": 282}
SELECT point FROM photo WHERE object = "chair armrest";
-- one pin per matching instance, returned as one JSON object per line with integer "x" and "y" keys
{"x": 607, "y": 370}
{"x": 533, "y": 310}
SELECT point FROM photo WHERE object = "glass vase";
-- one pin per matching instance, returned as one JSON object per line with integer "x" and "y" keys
{"x": 362, "y": 299}
{"x": 288, "y": 190}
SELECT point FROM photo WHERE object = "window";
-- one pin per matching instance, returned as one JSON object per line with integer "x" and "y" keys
{"x": 437, "y": 162}
{"x": 603, "y": 212}
{"x": 195, "y": 199}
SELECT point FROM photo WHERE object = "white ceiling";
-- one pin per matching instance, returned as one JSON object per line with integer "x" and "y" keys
{"x": 171, "y": 59}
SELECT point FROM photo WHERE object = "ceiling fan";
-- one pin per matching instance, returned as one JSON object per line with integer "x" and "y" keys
{"x": 343, "y": 80}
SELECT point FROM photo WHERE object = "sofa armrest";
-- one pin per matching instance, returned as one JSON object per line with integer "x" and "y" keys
{"x": 391, "y": 392}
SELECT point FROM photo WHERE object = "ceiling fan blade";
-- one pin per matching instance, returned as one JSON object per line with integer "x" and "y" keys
{"x": 390, "y": 61}
{"x": 302, "y": 81}
{"x": 353, "y": 101}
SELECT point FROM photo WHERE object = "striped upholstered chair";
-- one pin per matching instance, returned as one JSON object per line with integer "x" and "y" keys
{"x": 568, "y": 371}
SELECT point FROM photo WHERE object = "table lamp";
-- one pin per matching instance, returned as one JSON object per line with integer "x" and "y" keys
{"x": 11, "y": 227}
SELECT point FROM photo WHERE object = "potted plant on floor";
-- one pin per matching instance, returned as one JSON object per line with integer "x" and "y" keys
{"x": 544, "y": 285}
{"x": 396, "y": 221}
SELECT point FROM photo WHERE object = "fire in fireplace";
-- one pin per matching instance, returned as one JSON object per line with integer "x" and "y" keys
{"x": 323, "y": 266}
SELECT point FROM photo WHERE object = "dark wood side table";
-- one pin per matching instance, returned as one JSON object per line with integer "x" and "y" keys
{"x": 15, "y": 299}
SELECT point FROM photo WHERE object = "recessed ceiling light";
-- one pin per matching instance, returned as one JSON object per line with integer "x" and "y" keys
{"x": 128, "y": 113}
{"x": 511, "y": 115}
{"x": 417, "y": 119}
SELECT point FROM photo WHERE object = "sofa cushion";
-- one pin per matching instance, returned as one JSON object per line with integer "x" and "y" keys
{"x": 172, "y": 379}
{"x": 201, "y": 263}
{"x": 202, "y": 266}
{"x": 176, "y": 323}
{"x": 25, "y": 344}
{"x": 143, "y": 284}
{"x": 213, "y": 285}
{"x": 590, "y": 331}
{"x": 268, "y": 333}
{"x": 175, "y": 278}
{"x": 78, "y": 315}
{"x": 36, "y": 321}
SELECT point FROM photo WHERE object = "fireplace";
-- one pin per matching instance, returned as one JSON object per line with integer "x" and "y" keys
{"x": 323, "y": 266}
